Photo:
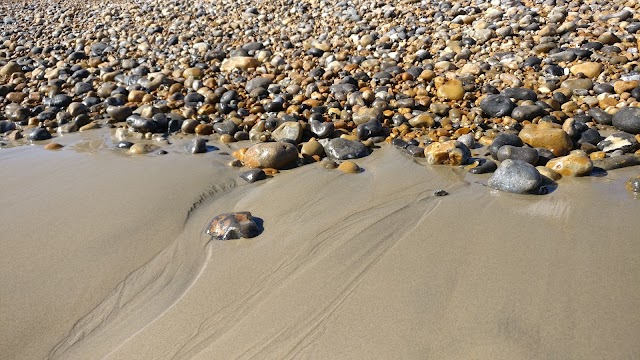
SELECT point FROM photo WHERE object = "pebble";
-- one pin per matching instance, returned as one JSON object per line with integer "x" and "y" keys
{"x": 450, "y": 90}
{"x": 575, "y": 164}
{"x": 196, "y": 146}
{"x": 140, "y": 149}
{"x": 288, "y": 131}
{"x": 53, "y": 146}
{"x": 447, "y": 153}
{"x": 253, "y": 175}
{"x": 275, "y": 155}
{"x": 343, "y": 149}
{"x": 516, "y": 176}
{"x": 497, "y": 106}
{"x": 548, "y": 175}
{"x": 589, "y": 69}
{"x": 349, "y": 167}
{"x": 312, "y": 148}
{"x": 231, "y": 226}
{"x": 547, "y": 135}
{"x": 619, "y": 141}
{"x": 39, "y": 134}
{"x": 627, "y": 119}
{"x": 526, "y": 154}
{"x": 502, "y": 140}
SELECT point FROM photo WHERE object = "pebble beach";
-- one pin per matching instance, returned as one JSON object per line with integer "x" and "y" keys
{"x": 320, "y": 179}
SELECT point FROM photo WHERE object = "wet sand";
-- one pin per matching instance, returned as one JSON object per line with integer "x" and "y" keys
{"x": 371, "y": 265}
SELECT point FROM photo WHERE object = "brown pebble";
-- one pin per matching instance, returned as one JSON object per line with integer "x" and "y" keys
{"x": 349, "y": 167}
{"x": 270, "y": 171}
{"x": 53, "y": 146}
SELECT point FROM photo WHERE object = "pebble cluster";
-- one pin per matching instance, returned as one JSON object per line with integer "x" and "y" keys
{"x": 527, "y": 90}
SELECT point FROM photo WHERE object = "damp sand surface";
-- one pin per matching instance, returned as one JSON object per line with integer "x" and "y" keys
{"x": 105, "y": 257}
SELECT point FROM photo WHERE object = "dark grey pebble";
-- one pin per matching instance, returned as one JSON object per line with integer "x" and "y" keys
{"x": 501, "y": 140}
{"x": 143, "y": 125}
{"x": 440, "y": 193}
{"x": 415, "y": 151}
{"x": 234, "y": 226}
{"x": 486, "y": 166}
{"x": 197, "y": 146}
{"x": 343, "y": 149}
{"x": 39, "y": 134}
{"x": 528, "y": 155}
{"x": 371, "y": 128}
{"x": 527, "y": 112}
{"x": 516, "y": 177}
{"x": 619, "y": 141}
{"x": 617, "y": 162}
{"x": 627, "y": 119}
{"x": 497, "y": 105}
{"x": 253, "y": 175}
{"x": 600, "y": 116}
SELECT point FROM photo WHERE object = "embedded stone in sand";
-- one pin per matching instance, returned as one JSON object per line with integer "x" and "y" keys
{"x": 232, "y": 226}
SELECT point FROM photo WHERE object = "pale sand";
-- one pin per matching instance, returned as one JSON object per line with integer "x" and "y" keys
{"x": 349, "y": 266}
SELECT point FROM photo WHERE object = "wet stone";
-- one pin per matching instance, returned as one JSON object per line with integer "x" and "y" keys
{"x": 232, "y": 226}
{"x": 39, "y": 134}
{"x": 516, "y": 177}
{"x": 574, "y": 164}
{"x": 528, "y": 155}
{"x": 633, "y": 184}
{"x": 253, "y": 175}
{"x": 197, "y": 146}
{"x": 343, "y": 149}
{"x": 447, "y": 153}
{"x": 501, "y": 140}
{"x": 486, "y": 166}
{"x": 275, "y": 155}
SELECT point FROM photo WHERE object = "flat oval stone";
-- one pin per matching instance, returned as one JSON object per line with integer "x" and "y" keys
{"x": 575, "y": 164}
{"x": 275, "y": 155}
{"x": 502, "y": 140}
{"x": 528, "y": 155}
{"x": 343, "y": 149}
{"x": 321, "y": 129}
{"x": 627, "y": 119}
{"x": 39, "y": 134}
{"x": 516, "y": 177}
{"x": 232, "y": 226}
{"x": 619, "y": 141}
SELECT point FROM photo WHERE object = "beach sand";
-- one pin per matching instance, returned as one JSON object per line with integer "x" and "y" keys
{"x": 105, "y": 256}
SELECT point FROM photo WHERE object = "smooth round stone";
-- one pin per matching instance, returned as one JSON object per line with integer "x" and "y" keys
{"x": 527, "y": 112}
{"x": 364, "y": 115}
{"x": 447, "y": 153}
{"x": 6, "y": 125}
{"x": 312, "y": 148}
{"x": 600, "y": 116}
{"x": 204, "y": 129}
{"x": 253, "y": 175}
{"x": 119, "y": 113}
{"x": 423, "y": 120}
{"x": 288, "y": 131}
{"x": 225, "y": 127}
{"x": 53, "y": 146}
{"x": 140, "y": 149}
{"x": 232, "y": 226}
{"x": 451, "y": 90}
{"x": 516, "y": 177}
{"x": 275, "y": 155}
{"x": 547, "y": 135}
{"x": 574, "y": 164}
{"x": 590, "y": 136}
{"x": 633, "y": 184}
{"x": 343, "y": 149}
{"x": 196, "y": 146}
{"x": 321, "y": 129}
{"x": 39, "y": 134}
{"x": 520, "y": 94}
{"x": 189, "y": 126}
{"x": 528, "y": 155}
{"x": 497, "y": 105}
{"x": 627, "y": 119}
{"x": 501, "y": 140}
{"x": 603, "y": 88}
{"x": 369, "y": 129}
{"x": 77, "y": 108}
{"x": 349, "y": 167}
{"x": 414, "y": 150}
{"x": 61, "y": 100}
{"x": 142, "y": 125}
{"x": 258, "y": 82}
